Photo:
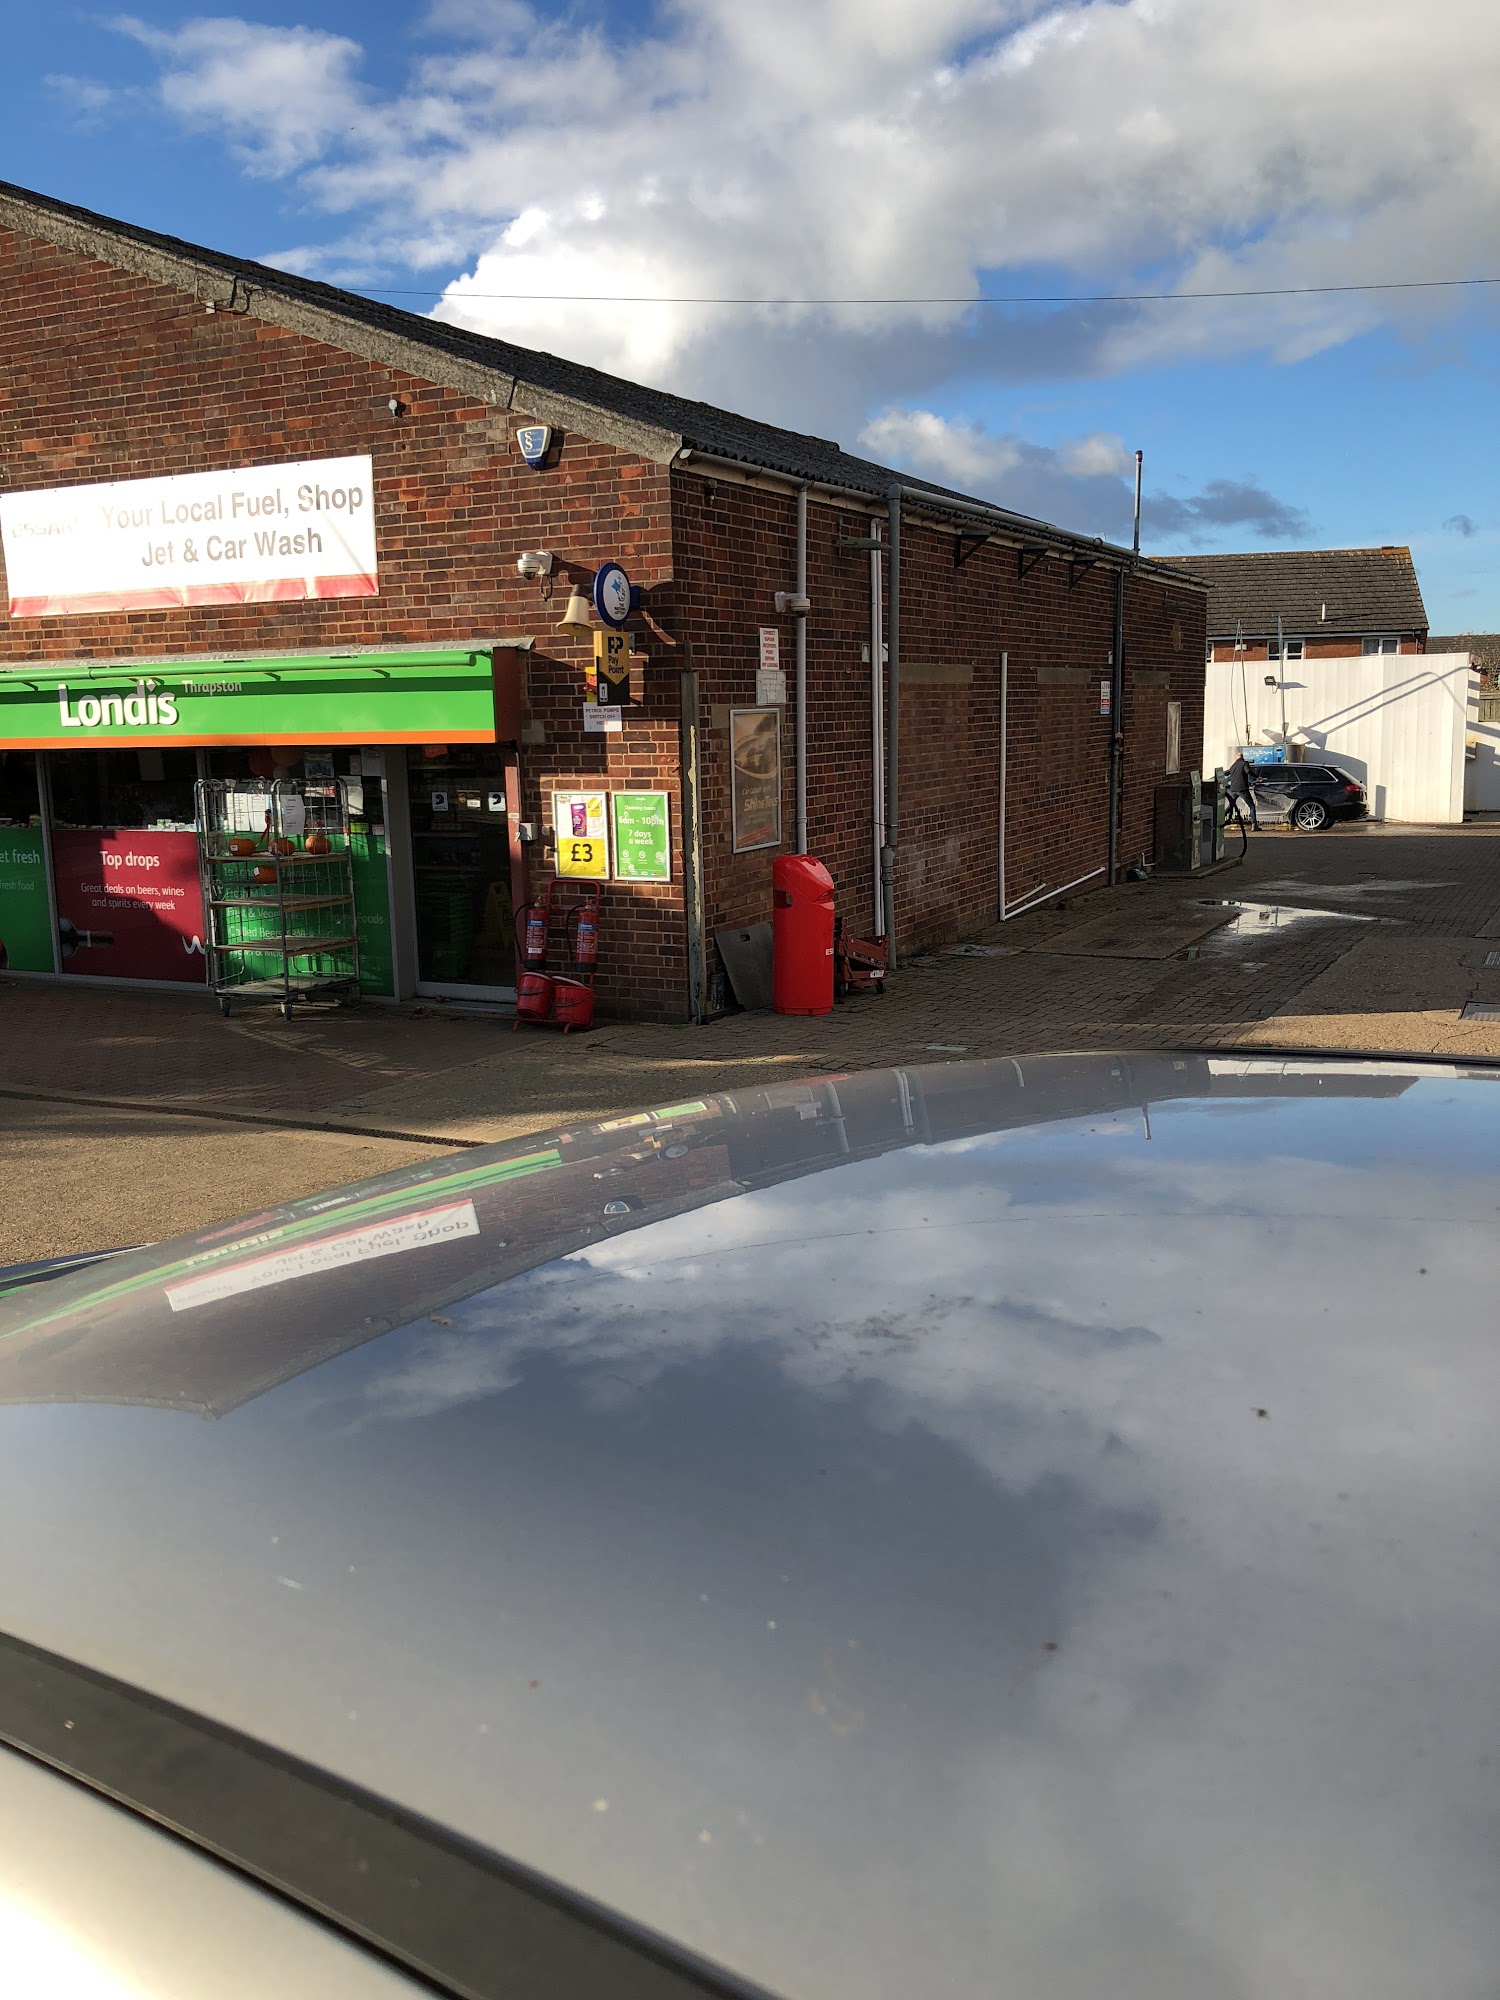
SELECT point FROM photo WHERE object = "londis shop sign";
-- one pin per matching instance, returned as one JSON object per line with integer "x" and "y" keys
{"x": 393, "y": 698}
{"x": 250, "y": 534}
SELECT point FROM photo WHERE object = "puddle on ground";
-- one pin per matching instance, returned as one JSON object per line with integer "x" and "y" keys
{"x": 1259, "y": 920}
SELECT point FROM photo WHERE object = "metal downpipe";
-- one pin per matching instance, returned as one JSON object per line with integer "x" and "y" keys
{"x": 1116, "y": 728}
{"x": 892, "y": 720}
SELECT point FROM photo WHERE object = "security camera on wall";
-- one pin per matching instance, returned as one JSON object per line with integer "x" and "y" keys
{"x": 534, "y": 563}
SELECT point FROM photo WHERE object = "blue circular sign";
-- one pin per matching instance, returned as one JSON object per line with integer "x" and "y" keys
{"x": 612, "y": 594}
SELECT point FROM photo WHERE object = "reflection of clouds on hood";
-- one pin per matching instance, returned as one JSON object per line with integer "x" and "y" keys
{"x": 1206, "y": 1795}
{"x": 1057, "y": 1563}
{"x": 1156, "y": 1299}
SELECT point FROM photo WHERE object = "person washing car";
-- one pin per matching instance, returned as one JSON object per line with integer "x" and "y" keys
{"x": 1237, "y": 784}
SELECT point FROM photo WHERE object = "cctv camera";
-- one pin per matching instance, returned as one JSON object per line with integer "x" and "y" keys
{"x": 534, "y": 562}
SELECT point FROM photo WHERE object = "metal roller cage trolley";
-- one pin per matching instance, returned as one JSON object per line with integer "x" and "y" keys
{"x": 278, "y": 892}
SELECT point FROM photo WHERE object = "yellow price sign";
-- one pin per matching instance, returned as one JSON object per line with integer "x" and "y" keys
{"x": 578, "y": 855}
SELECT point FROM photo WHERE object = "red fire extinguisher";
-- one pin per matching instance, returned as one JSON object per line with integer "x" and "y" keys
{"x": 532, "y": 924}
{"x": 583, "y": 921}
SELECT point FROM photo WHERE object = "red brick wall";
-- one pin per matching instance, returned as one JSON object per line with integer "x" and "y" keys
{"x": 736, "y": 546}
{"x": 105, "y": 375}
{"x": 1315, "y": 649}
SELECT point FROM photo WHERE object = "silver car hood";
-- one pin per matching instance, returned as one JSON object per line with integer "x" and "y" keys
{"x": 1024, "y": 1527}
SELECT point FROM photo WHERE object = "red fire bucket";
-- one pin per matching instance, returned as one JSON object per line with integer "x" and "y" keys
{"x": 534, "y": 997}
{"x": 573, "y": 1004}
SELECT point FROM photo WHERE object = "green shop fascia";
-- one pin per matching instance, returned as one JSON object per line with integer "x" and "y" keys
{"x": 92, "y": 752}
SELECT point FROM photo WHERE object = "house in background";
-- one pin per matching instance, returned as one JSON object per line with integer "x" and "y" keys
{"x": 1356, "y": 681}
{"x": 1330, "y": 603}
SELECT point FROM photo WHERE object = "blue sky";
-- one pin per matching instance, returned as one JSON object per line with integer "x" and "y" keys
{"x": 468, "y": 151}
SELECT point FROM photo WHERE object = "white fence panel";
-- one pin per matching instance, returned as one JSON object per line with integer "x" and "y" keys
{"x": 1395, "y": 721}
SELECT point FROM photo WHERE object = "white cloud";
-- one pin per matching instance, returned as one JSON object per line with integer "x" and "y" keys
{"x": 283, "y": 95}
{"x": 1083, "y": 483}
{"x": 880, "y": 149}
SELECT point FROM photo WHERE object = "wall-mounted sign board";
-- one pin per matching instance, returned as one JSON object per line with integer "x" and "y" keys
{"x": 581, "y": 823}
{"x": 643, "y": 847}
{"x": 246, "y": 534}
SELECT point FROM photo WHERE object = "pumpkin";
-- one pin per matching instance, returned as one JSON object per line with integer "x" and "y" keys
{"x": 281, "y": 845}
{"x": 318, "y": 843}
{"x": 265, "y": 871}
{"x": 241, "y": 843}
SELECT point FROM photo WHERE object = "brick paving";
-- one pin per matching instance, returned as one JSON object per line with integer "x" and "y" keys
{"x": 1395, "y": 986}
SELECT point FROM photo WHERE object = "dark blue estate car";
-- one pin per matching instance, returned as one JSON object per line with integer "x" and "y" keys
{"x": 1309, "y": 796}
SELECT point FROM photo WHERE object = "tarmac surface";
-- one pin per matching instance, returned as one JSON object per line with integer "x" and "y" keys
{"x": 127, "y": 1114}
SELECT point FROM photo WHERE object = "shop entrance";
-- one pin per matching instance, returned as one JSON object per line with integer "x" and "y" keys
{"x": 462, "y": 797}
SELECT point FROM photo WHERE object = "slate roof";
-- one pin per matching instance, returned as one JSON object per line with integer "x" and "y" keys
{"x": 549, "y": 387}
{"x": 1328, "y": 591}
{"x": 1483, "y": 648}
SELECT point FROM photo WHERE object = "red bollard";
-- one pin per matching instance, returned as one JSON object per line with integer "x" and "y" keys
{"x": 801, "y": 936}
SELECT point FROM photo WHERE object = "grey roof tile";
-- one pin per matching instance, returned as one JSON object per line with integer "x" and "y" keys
{"x": 1313, "y": 590}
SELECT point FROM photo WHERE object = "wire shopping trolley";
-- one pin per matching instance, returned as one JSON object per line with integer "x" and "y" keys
{"x": 278, "y": 891}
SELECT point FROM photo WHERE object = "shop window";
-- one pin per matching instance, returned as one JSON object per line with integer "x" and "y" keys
{"x": 1174, "y": 737}
{"x": 20, "y": 800}
{"x": 134, "y": 789}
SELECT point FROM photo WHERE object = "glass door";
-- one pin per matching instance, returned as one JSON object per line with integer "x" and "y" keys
{"x": 461, "y": 869}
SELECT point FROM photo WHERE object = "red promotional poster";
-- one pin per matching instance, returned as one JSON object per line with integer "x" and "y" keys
{"x": 129, "y": 905}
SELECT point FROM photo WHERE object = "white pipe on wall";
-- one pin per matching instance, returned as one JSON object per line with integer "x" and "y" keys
{"x": 877, "y": 725}
{"x": 1004, "y": 714}
{"x": 1043, "y": 895}
{"x": 802, "y": 671}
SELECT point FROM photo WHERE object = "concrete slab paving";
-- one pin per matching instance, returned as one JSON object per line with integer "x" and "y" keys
{"x": 79, "y": 1177}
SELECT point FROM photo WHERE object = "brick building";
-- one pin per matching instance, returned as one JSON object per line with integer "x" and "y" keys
{"x": 345, "y": 603}
{"x": 1318, "y": 603}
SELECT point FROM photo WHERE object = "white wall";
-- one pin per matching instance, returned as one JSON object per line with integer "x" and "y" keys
{"x": 1482, "y": 769}
{"x": 1395, "y": 721}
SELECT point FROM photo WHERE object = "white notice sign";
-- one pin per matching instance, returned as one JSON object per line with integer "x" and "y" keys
{"x": 770, "y": 686}
{"x": 252, "y": 534}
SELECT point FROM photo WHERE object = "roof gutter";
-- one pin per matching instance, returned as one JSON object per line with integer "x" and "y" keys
{"x": 1017, "y": 529}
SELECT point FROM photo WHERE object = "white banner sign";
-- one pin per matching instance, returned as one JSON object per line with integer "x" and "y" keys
{"x": 254, "y": 534}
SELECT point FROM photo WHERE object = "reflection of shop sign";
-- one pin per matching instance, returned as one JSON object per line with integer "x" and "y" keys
{"x": 582, "y": 830}
{"x": 144, "y": 709}
{"x": 308, "y": 1260}
{"x": 253, "y": 534}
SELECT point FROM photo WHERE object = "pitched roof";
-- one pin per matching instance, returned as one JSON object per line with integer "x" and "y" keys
{"x": 650, "y": 422}
{"x": 1312, "y": 590}
{"x": 1483, "y": 648}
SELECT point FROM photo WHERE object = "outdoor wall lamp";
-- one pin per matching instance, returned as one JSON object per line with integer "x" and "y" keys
{"x": 397, "y": 408}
